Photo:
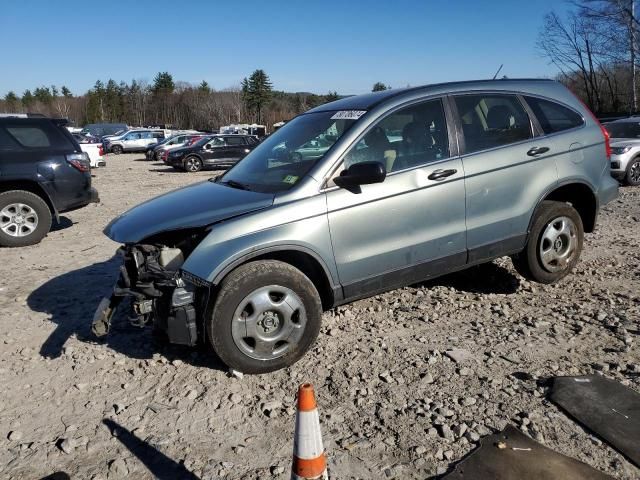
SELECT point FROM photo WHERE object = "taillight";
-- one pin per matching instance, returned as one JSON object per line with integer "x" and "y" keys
{"x": 100, "y": 150}
{"x": 79, "y": 161}
{"x": 605, "y": 134}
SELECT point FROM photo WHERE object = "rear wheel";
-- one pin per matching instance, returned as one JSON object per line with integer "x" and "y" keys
{"x": 633, "y": 172}
{"x": 554, "y": 244}
{"x": 192, "y": 164}
{"x": 266, "y": 316}
{"x": 117, "y": 149}
{"x": 25, "y": 218}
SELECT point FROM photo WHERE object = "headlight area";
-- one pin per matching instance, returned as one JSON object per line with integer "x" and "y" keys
{"x": 160, "y": 293}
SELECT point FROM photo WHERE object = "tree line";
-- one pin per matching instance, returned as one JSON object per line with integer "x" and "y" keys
{"x": 169, "y": 102}
{"x": 595, "y": 47}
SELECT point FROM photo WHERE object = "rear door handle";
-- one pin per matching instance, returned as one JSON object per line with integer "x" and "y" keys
{"x": 440, "y": 174}
{"x": 535, "y": 151}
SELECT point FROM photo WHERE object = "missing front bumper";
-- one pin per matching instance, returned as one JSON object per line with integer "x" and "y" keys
{"x": 158, "y": 296}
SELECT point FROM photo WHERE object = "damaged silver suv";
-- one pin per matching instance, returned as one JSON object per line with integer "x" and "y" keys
{"x": 409, "y": 184}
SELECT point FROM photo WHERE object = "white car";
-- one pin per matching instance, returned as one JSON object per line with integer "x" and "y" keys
{"x": 625, "y": 149}
{"x": 93, "y": 149}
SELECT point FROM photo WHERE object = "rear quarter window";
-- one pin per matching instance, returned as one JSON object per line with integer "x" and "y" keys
{"x": 552, "y": 116}
{"x": 38, "y": 135}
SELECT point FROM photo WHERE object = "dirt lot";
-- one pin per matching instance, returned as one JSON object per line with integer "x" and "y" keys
{"x": 392, "y": 404}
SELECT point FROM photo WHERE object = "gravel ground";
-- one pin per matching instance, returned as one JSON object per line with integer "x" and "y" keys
{"x": 393, "y": 404}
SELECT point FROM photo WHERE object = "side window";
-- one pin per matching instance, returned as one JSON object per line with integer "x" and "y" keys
{"x": 235, "y": 140}
{"x": 31, "y": 137}
{"x": 413, "y": 136}
{"x": 217, "y": 142}
{"x": 552, "y": 116}
{"x": 490, "y": 121}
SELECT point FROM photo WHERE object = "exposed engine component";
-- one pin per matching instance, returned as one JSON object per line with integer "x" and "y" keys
{"x": 150, "y": 274}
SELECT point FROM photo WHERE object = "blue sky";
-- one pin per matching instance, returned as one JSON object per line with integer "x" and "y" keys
{"x": 308, "y": 45}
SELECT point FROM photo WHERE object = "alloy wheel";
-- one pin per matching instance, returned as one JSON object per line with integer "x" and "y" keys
{"x": 18, "y": 220}
{"x": 634, "y": 172}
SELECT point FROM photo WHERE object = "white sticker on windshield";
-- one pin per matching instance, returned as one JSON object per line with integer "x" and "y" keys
{"x": 348, "y": 115}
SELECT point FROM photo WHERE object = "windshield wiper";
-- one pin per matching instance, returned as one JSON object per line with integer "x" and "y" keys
{"x": 234, "y": 184}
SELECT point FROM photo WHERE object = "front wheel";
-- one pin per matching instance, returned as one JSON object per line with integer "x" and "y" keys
{"x": 116, "y": 149}
{"x": 25, "y": 218}
{"x": 192, "y": 164}
{"x": 266, "y": 316}
{"x": 554, "y": 245}
{"x": 633, "y": 173}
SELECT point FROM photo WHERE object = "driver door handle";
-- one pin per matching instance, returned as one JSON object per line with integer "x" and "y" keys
{"x": 441, "y": 174}
{"x": 535, "y": 151}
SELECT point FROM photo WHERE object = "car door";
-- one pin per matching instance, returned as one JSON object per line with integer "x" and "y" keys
{"x": 130, "y": 141}
{"x": 236, "y": 148}
{"x": 214, "y": 150}
{"x": 412, "y": 225}
{"x": 506, "y": 171}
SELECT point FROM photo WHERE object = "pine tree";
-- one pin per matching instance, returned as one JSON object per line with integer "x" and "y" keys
{"x": 66, "y": 92}
{"x": 256, "y": 92}
{"x": 379, "y": 87}
{"x": 12, "y": 101}
{"x": 27, "y": 99}
{"x": 204, "y": 87}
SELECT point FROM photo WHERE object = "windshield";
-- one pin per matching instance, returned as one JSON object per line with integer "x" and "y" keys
{"x": 623, "y": 129}
{"x": 286, "y": 156}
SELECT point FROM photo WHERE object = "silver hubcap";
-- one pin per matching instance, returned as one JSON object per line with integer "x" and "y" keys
{"x": 634, "y": 172}
{"x": 193, "y": 164}
{"x": 18, "y": 220}
{"x": 269, "y": 322}
{"x": 558, "y": 244}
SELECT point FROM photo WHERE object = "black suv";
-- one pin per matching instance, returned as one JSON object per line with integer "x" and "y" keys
{"x": 213, "y": 151}
{"x": 43, "y": 172}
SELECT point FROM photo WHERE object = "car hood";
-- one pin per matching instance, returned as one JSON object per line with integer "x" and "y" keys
{"x": 623, "y": 142}
{"x": 197, "y": 205}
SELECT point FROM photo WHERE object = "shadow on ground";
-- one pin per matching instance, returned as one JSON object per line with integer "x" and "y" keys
{"x": 71, "y": 300}
{"x": 485, "y": 278}
{"x": 161, "y": 466}
{"x": 62, "y": 224}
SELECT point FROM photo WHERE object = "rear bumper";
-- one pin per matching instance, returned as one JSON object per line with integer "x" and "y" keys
{"x": 608, "y": 190}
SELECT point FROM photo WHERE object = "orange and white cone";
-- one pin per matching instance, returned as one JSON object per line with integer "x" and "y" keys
{"x": 309, "y": 459}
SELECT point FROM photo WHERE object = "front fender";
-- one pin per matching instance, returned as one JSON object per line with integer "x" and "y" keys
{"x": 301, "y": 225}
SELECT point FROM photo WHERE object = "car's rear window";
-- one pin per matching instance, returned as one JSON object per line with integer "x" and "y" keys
{"x": 552, "y": 116}
{"x": 32, "y": 135}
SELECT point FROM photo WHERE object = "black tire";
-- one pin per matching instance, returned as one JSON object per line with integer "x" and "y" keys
{"x": 632, "y": 177}
{"x": 42, "y": 218}
{"x": 529, "y": 262}
{"x": 158, "y": 156}
{"x": 116, "y": 149}
{"x": 241, "y": 284}
{"x": 192, "y": 164}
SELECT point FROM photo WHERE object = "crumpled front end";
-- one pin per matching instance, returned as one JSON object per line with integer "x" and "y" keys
{"x": 160, "y": 293}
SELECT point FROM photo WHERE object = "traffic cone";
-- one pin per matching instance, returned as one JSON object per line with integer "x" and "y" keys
{"x": 309, "y": 459}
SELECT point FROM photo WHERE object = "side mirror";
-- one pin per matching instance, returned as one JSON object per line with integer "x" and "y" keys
{"x": 207, "y": 146}
{"x": 364, "y": 173}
